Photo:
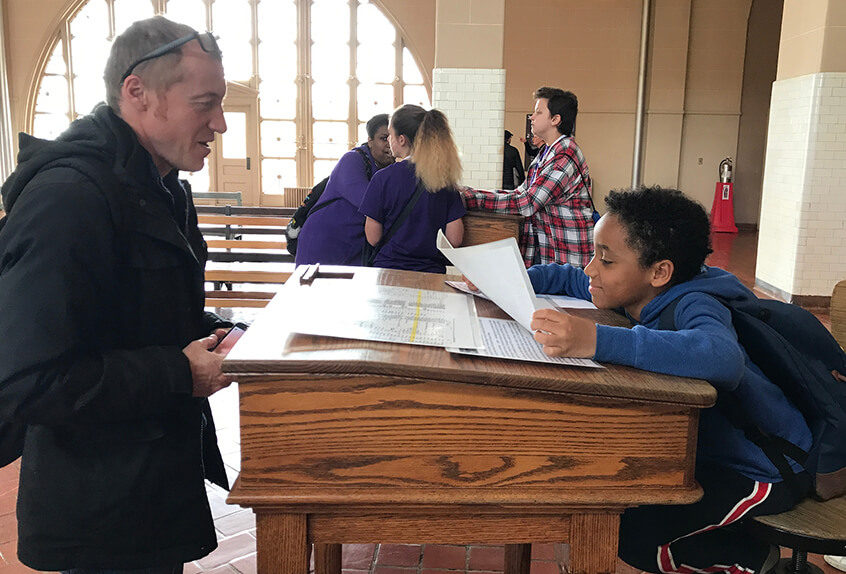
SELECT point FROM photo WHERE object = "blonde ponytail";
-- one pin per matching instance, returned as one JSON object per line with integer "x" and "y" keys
{"x": 433, "y": 149}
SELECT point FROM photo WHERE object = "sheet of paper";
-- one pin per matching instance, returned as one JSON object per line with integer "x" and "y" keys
{"x": 497, "y": 269}
{"x": 505, "y": 339}
{"x": 567, "y": 302}
{"x": 383, "y": 313}
{"x": 559, "y": 301}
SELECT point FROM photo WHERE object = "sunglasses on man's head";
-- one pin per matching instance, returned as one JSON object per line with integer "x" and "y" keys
{"x": 206, "y": 40}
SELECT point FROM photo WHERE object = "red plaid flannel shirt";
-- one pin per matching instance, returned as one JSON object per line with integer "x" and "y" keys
{"x": 557, "y": 205}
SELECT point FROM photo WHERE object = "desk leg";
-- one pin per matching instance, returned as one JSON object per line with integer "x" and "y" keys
{"x": 593, "y": 543}
{"x": 281, "y": 543}
{"x": 518, "y": 558}
{"x": 327, "y": 559}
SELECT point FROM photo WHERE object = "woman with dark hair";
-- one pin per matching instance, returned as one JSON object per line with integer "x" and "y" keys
{"x": 427, "y": 157}
{"x": 334, "y": 231}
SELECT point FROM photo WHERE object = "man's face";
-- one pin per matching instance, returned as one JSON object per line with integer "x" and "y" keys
{"x": 617, "y": 278}
{"x": 380, "y": 147}
{"x": 180, "y": 122}
{"x": 543, "y": 125}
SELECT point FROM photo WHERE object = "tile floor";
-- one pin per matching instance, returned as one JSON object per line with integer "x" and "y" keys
{"x": 236, "y": 526}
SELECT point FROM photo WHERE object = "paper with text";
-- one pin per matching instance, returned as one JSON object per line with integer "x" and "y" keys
{"x": 383, "y": 313}
{"x": 560, "y": 301}
{"x": 505, "y": 339}
{"x": 498, "y": 271}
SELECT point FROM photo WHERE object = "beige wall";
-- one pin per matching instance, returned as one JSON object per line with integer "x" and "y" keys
{"x": 590, "y": 49}
{"x": 416, "y": 20}
{"x": 717, "y": 45}
{"x": 693, "y": 88}
{"x": 27, "y": 32}
{"x": 469, "y": 34}
{"x": 813, "y": 38}
{"x": 758, "y": 75}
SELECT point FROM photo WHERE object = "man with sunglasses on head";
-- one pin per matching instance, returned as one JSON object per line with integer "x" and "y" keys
{"x": 106, "y": 360}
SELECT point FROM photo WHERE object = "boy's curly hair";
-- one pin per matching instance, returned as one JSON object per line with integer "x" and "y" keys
{"x": 663, "y": 224}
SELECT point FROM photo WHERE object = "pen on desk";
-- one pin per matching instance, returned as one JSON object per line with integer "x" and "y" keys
{"x": 308, "y": 276}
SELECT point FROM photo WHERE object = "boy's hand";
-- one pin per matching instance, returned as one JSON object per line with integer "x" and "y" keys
{"x": 469, "y": 285}
{"x": 564, "y": 335}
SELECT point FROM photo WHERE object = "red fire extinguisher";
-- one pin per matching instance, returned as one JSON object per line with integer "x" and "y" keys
{"x": 722, "y": 211}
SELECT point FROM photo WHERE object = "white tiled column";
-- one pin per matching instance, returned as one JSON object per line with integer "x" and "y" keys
{"x": 802, "y": 237}
{"x": 473, "y": 99}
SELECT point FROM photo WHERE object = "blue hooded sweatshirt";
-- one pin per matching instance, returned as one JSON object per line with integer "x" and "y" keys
{"x": 704, "y": 346}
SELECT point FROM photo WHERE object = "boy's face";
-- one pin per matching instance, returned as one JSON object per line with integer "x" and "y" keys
{"x": 544, "y": 125}
{"x": 616, "y": 277}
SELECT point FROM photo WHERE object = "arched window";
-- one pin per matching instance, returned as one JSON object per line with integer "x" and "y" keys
{"x": 321, "y": 69}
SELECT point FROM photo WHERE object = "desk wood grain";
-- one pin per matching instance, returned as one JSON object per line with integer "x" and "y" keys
{"x": 377, "y": 442}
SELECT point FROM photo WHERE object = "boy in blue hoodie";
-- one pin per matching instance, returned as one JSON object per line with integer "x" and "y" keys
{"x": 650, "y": 249}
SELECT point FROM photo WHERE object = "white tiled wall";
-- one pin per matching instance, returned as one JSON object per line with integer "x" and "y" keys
{"x": 474, "y": 102}
{"x": 802, "y": 239}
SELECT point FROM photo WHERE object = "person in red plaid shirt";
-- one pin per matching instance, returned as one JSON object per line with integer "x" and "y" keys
{"x": 555, "y": 197}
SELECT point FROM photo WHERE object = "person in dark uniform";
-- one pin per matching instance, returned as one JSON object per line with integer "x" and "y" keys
{"x": 511, "y": 162}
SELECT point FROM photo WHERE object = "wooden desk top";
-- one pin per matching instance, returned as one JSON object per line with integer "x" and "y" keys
{"x": 270, "y": 350}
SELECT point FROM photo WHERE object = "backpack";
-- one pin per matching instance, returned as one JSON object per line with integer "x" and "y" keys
{"x": 797, "y": 353}
{"x": 306, "y": 208}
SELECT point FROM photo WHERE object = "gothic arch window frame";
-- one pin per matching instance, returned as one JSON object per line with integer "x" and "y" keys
{"x": 305, "y": 157}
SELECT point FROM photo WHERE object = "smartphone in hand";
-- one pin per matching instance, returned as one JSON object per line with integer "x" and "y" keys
{"x": 228, "y": 341}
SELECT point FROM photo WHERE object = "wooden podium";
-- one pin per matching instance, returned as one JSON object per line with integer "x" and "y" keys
{"x": 346, "y": 441}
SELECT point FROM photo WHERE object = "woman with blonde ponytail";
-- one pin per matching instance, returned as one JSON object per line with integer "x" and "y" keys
{"x": 426, "y": 157}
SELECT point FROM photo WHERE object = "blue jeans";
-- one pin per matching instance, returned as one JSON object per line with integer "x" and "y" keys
{"x": 155, "y": 570}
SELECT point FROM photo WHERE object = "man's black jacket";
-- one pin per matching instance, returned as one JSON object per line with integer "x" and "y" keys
{"x": 101, "y": 286}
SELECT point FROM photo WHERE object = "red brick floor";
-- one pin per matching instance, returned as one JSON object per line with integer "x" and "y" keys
{"x": 236, "y": 526}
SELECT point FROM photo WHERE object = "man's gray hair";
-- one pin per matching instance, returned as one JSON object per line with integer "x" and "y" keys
{"x": 141, "y": 38}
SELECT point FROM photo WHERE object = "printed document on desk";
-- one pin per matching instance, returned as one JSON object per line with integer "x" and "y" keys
{"x": 383, "y": 313}
{"x": 497, "y": 269}
{"x": 505, "y": 339}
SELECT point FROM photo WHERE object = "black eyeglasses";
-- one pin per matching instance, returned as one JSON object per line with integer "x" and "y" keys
{"x": 206, "y": 40}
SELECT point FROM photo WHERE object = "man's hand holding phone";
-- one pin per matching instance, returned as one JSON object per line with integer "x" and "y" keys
{"x": 228, "y": 338}
{"x": 206, "y": 357}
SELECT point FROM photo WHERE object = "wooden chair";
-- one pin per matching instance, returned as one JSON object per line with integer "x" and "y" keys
{"x": 812, "y": 526}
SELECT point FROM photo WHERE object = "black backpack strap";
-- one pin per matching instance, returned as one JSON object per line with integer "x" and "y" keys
{"x": 667, "y": 318}
{"x": 368, "y": 167}
{"x": 588, "y": 183}
{"x": 370, "y": 254}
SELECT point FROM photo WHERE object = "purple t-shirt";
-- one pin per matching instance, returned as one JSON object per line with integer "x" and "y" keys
{"x": 334, "y": 234}
{"x": 413, "y": 246}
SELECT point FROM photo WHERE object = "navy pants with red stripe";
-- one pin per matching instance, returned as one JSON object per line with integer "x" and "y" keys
{"x": 707, "y": 536}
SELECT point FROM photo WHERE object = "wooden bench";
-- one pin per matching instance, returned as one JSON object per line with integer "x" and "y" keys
{"x": 484, "y": 227}
{"x": 230, "y": 197}
{"x": 254, "y": 234}
{"x": 249, "y": 277}
{"x": 247, "y": 249}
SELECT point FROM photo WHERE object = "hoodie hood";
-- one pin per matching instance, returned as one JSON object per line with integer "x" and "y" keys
{"x": 711, "y": 280}
{"x": 100, "y": 137}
